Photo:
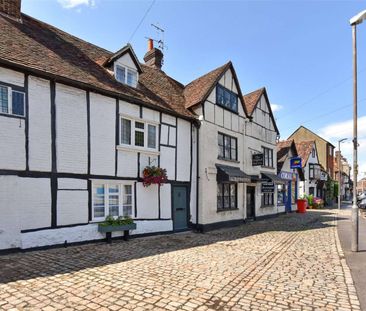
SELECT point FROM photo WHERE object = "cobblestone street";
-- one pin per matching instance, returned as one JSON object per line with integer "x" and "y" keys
{"x": 289, "y": 262}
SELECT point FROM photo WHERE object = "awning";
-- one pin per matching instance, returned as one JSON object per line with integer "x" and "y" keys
{"x": 231, "y": 174}
{"x": 256, "y": 178}
{"x": 274, "y": 178}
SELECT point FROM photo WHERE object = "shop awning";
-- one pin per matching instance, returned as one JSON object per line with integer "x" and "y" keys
{"x": 231, "y": 174}
{"x": 274, "y": 178}
{"x": 256, "y": 178}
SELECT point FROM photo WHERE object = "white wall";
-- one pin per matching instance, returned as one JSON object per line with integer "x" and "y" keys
{"x": 147, "y": 201}
{"x": 166, "y": 201}
{"x": 11, "y": 77}
{"x": 12, "y": 146}
{"x": 71, "y": 130}
{"x": 183, "y": 150}
{"x": 39, "y": 124}
{"x": 102, "y": 134}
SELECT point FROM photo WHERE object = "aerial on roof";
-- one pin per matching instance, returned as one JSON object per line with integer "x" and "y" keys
{"x": 304, "y": 149}
{"x": 49, "y": 52}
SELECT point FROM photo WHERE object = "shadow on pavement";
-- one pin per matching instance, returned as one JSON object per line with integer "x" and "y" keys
{"x": 33, "y": 264}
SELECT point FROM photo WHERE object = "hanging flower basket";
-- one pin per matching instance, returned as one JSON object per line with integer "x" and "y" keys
{"x": 154, "y": 175}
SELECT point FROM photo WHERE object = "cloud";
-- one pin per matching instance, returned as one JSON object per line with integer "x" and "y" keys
{"x": 343, "y": 129}
{"x": 69, "y": 4}
{"x": 276, "y": 107}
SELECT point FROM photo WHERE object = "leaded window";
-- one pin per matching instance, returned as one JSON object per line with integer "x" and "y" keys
{"x": 227, "y": 147}
{"x": 226, "y": 98}
{"x": 227, "y": 196}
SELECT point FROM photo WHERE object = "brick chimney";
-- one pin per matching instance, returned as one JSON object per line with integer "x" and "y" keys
{"x": 153, "y": 57}
{"x": 11, "y": 8}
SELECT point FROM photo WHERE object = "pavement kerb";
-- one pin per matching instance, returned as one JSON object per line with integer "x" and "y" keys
{"x": 346, "y": 270}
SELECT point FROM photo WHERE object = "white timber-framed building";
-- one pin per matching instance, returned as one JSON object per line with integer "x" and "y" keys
{"x": 78, "y": 125}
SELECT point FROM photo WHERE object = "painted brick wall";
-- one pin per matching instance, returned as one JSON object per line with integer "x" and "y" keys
{"x": 102, "y": 134}
{"x": 71, "y": 130}
{"x": 39, "y": 124}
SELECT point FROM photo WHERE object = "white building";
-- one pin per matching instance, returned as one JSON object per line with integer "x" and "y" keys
{"x": 288, "y": 194}
{"x": 261, "y": 134}
{"x": 311, "y": 168}
{"x": 79, "y": 124}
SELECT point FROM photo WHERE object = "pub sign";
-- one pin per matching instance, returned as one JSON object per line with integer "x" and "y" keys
{"x": 268, "y": 187}
{"x": 257, "y": 159}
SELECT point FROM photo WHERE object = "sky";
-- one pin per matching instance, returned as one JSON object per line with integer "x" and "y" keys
{"x": 301, "y": 51}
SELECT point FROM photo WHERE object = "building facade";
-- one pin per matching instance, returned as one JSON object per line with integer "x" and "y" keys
{"x": 325, "y": 148}
{"x": 79, "y": 127}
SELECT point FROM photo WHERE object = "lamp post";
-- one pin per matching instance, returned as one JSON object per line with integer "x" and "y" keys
{"x": 354, "y": 21}
{"x": 340, "y": 172}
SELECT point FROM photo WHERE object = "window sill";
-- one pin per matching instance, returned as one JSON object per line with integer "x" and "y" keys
{"x": 227, "y": 210}
{"x": 228, "y": 160}
{"x": 263, "y": 206}
{"x": 271, "y": 167}
{"x": 9, "y": 115}
{"x": 136, "y": 150}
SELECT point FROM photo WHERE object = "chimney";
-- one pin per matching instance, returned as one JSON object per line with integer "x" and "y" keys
{"x": 153, "y": 57}
{"x": 11, "y": 8}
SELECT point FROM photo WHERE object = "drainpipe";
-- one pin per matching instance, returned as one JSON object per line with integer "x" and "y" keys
{"x": 197, "y": 124}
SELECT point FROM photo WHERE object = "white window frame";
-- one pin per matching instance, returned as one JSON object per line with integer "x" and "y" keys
{"x": 106, "y": 184}
{"x": 10, "y": 101}
{"x": 126, "y": 68}
{"x": 132, "y": 146}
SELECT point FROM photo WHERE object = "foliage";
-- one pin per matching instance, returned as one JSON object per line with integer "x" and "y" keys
{"x": 154, "y": 175}
{"x": 310, "y": 199}
{"x": 318, "y": 203}
{"x": 336, "y": 189}
{"x": 330, "y": 192}
{"x": 120, "y": 221}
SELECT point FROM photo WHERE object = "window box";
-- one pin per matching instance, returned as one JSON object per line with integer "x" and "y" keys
{"x": 119, "y": 224}
{"x": 112, "y": 228}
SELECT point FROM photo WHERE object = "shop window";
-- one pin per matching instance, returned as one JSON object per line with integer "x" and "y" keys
{"x": 227, "y": 195}
{"x": 267, "y": 199}
{"x": 281, "y": 194}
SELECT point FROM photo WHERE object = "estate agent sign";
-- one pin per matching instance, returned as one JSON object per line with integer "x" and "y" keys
{"x": 257, "y": 159}
{"x": 295, "y": 163}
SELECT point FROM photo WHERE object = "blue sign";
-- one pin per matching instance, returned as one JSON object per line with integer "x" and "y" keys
{"x": 295, "y": 163}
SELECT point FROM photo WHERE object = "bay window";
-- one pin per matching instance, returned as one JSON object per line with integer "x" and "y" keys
{"x": 12, "y": 101}
{"x": 112, "y": 199}
{"x": 138, "y": 134}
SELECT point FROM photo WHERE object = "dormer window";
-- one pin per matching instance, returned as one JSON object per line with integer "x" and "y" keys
{"x": 126, "y": 75}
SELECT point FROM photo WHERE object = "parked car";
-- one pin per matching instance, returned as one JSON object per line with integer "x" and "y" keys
{"x": 361, "y": 200}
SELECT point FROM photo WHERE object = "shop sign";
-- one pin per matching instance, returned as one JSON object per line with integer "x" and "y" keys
{"x": 295, "y": 163}
{"x": 257, "y": 159}
{"x": 285, "y": 175}
{"x": 267, "y": 187}
{"x": 323, "y": 176}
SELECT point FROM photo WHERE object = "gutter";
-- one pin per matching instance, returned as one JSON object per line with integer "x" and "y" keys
{"x": 197, "y": 125}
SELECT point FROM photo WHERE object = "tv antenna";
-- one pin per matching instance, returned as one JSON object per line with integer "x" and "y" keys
{"x": 160, "y": 35}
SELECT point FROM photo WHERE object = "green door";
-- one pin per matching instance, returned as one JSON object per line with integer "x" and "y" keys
{"x": 180, "y": 208}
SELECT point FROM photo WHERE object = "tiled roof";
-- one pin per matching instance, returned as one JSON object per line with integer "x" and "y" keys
{"x": 196, "y": 91}
{"x": 46, "y": 49}
{"x": 304, "y": 149}
{"x": 283, "y": 148}
{"x": 251, "y": 99}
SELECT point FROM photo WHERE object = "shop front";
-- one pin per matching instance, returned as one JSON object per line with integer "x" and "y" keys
{"x": 287, "y": 192}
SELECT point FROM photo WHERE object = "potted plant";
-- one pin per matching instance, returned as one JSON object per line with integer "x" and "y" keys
{"x": 112, "y": 224}
{"x": 301, "y": 204}
{"x": 154, "y": 175}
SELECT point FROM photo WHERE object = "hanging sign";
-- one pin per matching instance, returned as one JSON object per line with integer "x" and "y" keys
{"x": 295, "y": 163}
{"x": 257, "y": 159}
{"x": 267, "y": 187}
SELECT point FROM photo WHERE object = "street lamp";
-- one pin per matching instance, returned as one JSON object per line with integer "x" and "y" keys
{"x": 339, "y": 171}
{"x": 354, "y": 21}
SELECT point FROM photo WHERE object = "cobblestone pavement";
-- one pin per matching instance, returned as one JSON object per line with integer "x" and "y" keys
{"x": 292, "y": 262}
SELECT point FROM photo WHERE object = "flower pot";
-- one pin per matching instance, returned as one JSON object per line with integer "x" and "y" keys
{"x": 112, "y": 228}
{"x": 301, "y": 205}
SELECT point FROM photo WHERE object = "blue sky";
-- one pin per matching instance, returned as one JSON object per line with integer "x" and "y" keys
{"x": 301, "y": 51}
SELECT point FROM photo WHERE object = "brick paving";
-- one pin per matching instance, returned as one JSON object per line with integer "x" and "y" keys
{"x": 292, "y": 262}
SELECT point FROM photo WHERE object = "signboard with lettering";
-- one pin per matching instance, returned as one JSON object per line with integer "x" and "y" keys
{"x": 285, "y": 175}
{"x": 267, "y": 187}
{"x": 323, "y": 176}
{"x": 295, "y": 163}
{"x": 257, "y": 159}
